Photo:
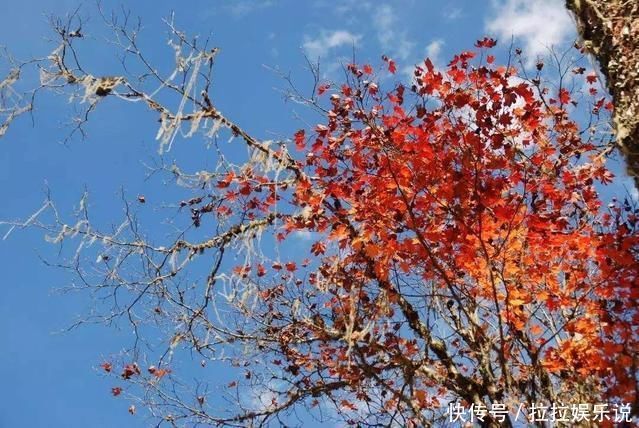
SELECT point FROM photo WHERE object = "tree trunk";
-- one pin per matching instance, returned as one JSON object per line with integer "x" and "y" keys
{"x": 610, "y": 31}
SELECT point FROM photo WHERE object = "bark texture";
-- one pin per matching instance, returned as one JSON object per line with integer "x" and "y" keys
{"x": 610, "y": 31}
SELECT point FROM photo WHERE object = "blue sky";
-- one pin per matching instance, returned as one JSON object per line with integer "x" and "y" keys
{"x": 49, "y": 378}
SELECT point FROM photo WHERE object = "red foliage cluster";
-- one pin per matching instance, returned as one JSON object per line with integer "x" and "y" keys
{"x": 461, "y": 248}
{"x": 464, "y": 248}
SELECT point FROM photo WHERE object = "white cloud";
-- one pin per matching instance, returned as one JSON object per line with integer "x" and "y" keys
{"x": 328, "y": 40}
{"x": 343, "y": 7}
{"x": 384, "y": 20}
{"x": 433, "y": 50}
{"x": 452, "y": 13}
{"x": 538, "y": 24}
{"x": 395, "y": 43}
{"x": 244, "y": 7}
{"x": 304, "y": 235}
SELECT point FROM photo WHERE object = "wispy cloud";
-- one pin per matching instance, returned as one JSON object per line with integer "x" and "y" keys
{"x": 395, "y": 42}
{"x": 343, "y": 7}
{"x": 244, "y": 7}
{"x": 537, "y": 24}
{"x": 304, "y": 235}
{"x": 452, "y": 13}
{"x": 433, "y": 50}
{"x": 321, "y": 45}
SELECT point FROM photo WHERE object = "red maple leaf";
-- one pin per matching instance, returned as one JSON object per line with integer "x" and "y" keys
{"x": 300, "y": 140}
{"x": 486, "y": 42}
{"x": 391, "y": 64}
{"x": 321, "y": 89}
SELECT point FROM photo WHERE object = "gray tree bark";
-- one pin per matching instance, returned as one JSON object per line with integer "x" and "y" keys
{"x": 610, "y": 32}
